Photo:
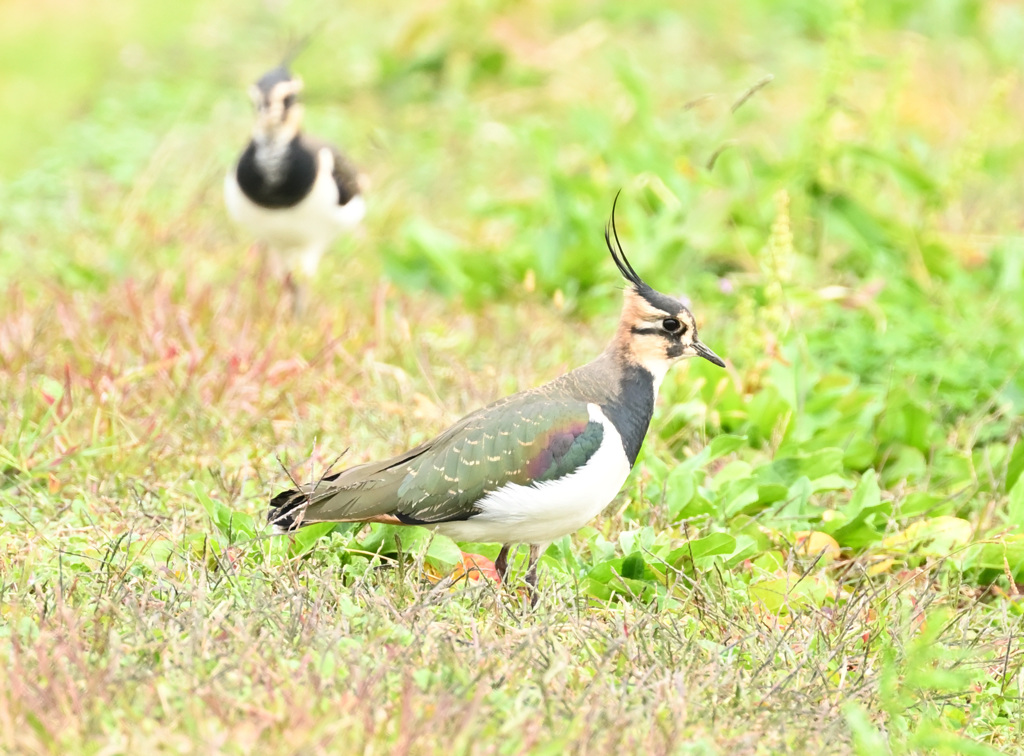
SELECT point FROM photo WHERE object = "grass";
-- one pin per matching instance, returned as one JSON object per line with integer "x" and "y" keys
{"x": 820, "y": 550}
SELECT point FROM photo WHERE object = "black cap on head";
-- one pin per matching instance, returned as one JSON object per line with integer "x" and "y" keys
{"x": 272, "y": 78}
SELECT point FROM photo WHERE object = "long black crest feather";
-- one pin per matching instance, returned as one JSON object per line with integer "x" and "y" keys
{"x": 618, "y": 255}
{"x": 282, "y": 72}
{"x": 295, "y": 48}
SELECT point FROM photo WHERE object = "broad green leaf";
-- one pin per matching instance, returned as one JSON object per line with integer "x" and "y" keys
{"x": 767, "y": 412}
{"x": 831, "y": 482}
{"x": 859, "y": 454}
{"x": 714, "y": 544}
{"x": 641, "y": 539}
{"x": 737, "y": 495}
{"x": 746, "y": 547}
{"x": 218, "y": 513}
{"x": 698, "y": 506}
{"x": 606, "y": 571}
{"x": 601, "y": 550}
{"x": 443, "y": 553}
{"x": 633, "y": 589}
{"x": 779, "y": 595}
{"x": 303, "y": 539}
{"x": 381, "y": 539}
{"x": 737, "y": 469}
{"x": 924, "y": 503}
{"x": 811, "y": 543}
{"x": 342, "y": 528}
{"x": 1015, "y": 504}
{"x": 788, "y": 470}
{"x": 1015, "y": 466}
{"x": 1002, "y": 553}
{"x": 725, "y": 444}
{"x": 952, "y": 469}
{"x": 905, "y": 421}
{"x": 633, "y": 566}
{"x": 770, "y": 561}
{"x": 711, "y": 545}
{"x": 919, "y": 422}
{"x": 770, "y": 493}
{"x": 719, "y": 447}
{"x": 797, "y": 499}
{"x": 862, "y": 520}
{"x": 866, "y": 496}
{"x": 935, "y": 536}
{"x": 566, "y": 554}
{"x": 680, "y": 486}
{"x": 597, "y": 588}
{"x": 750, "y": 527}
{"x": 909, "y": 465}
{"x": 241, "y": 523}
{"x": 407, "y": 541}
{"x": 159, "y": 550}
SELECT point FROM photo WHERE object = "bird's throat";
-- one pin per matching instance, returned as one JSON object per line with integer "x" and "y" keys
{"x": 271, "y": 156}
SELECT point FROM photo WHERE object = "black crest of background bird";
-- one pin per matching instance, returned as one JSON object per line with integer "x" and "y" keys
{"x": 294, "y": 193}
{"x": 534, "y": 466}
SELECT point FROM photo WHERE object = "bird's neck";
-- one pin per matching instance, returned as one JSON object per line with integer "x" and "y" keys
{"x": 625, "y": 391}
{"x": 271, "y": 153}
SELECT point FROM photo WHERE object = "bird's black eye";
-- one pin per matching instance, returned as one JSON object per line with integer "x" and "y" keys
{"x": 289, "y": 101}
{"x": 671, "y": 325}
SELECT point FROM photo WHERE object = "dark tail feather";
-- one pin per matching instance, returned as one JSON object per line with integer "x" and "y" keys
{"x": 287, "y": 508}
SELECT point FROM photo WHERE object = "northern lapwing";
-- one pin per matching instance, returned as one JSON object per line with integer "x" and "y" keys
{"x": 290, "y": 191}
{"x": 534, "y": 466}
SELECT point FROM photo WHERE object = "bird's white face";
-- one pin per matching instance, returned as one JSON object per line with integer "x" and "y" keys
{"x": 278, "y": 110}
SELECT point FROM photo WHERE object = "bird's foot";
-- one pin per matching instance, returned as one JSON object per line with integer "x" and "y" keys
{"x": 503, "y": 567}
{"x": 501, "y": 564}
{"x": 531, "y": 575}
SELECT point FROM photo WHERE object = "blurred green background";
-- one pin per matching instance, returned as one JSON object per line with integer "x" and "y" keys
{"x": 850, "y": 235}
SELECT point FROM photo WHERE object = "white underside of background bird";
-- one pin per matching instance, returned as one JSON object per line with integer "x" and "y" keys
{"x": 299, "y": 234}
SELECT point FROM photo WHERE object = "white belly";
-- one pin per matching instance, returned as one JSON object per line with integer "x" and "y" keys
{"x": 303, "y": 230}
{"x": 543, "y": 512}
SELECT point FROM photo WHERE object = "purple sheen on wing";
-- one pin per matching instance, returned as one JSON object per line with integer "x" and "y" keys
{"x": 539, "y": 465}
{"x": 558, "y": 444}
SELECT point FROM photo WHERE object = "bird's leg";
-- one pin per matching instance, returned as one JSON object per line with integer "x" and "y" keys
{"x": 531, "y": 573}
{"x": 296, "y": 293}
{"x": 501, "y": 563}
{"x": 309, "y": 261}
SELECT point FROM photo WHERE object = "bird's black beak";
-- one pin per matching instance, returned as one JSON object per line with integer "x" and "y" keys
{"x": 707, "y": 354}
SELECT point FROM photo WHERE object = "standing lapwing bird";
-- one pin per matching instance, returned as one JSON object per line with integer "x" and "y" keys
{"x": 292, "y": 192}
{"x": 534, "y": 466}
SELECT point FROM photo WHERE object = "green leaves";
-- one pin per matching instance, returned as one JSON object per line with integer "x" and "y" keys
{"x": 792, "y": 593}
{"x": 681, "y": 483}
{"x": 393, "y": 541}
{"x": 389, "y": 541}
{"x": 1015, "y": 505}
{"x": 1002, "y": 554}
{"x": 233, "y": 525}
{"x": 862, "y": 520}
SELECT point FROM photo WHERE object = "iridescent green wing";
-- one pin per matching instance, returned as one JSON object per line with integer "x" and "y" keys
{"x": 531, "y": 440}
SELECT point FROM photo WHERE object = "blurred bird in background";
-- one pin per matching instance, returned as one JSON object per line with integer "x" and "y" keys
{"x": 290, "y": 191}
